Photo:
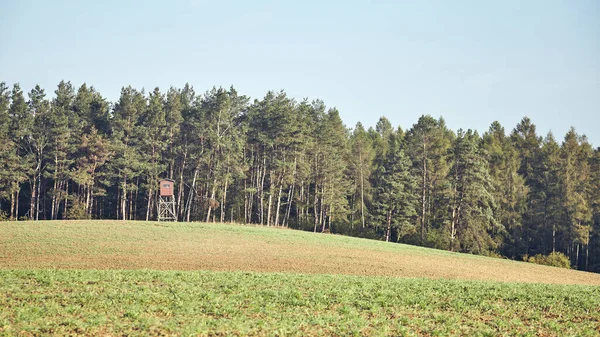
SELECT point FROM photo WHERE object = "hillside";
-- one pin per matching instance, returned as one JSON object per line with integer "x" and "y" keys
{"x": 227, "y": 247}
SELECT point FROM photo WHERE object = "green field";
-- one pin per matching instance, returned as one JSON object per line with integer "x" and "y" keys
{"x": 143, "y": 278}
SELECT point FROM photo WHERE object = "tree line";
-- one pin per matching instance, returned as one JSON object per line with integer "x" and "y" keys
{"x": 276, "y": 161}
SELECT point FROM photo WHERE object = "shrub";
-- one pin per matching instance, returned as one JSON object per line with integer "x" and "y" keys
{"x": 77, "y": 211}
{"x": 554, "y": 259}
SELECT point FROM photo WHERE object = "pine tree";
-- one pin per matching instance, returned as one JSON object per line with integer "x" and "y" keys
{"x": 60, "y": 147}
{"x": 592, "y": 262}
{"x": 472, "y": 220}
{"x": 7, "y": 148}
{"x": 36, "y": 145}
{"x": 509, "y": 188}
{"x": 394, "y": 200}
{"x": 222, "y": 142}
{"x": 526, "y": 141}
{"x": 428, "y": 144}
{"x": 93, "y": 152}
{"x": 332, "y": 139}
{"x": 360, "y": 165}
{"x": 126, "y": 165}
{"x": 277, "y": 138}
{"x": 19, "y": 161}
{"x": 153, "y": 127}
{"x": 173, "y": 107}
{"x": 544, "y": 201}
{"x": 575, "y": 155}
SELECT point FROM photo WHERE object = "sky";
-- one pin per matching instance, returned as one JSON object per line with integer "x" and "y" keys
{"x": 471, "y": 62}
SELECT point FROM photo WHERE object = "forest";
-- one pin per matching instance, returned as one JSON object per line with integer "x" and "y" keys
{"x": 277, "y": 161}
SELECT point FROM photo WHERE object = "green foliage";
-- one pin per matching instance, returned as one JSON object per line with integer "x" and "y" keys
{"x": 88, "y": 302}
{"x": 472, "y": 222}
{"x": 428, "y": 145}
{"x": 78, "y": 210}
{"x": 394, "y": 200}
{"x": 276, "y": 161}
{"x": 555, "y": 259}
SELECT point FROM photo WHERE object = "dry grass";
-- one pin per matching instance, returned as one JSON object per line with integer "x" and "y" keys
{"x": 226, "y": 247}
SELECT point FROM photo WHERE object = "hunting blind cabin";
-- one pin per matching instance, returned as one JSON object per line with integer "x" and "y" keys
{"x": 166, "y": 201}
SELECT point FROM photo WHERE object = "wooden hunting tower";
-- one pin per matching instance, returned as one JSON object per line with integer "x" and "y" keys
{"x": 166, "y": 200}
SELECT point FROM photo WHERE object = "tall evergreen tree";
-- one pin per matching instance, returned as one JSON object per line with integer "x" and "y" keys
{"x": 360, "y": 165}
{"x": 126, "y": 165}
{"x": 428, "y": 145}
{"x": 36, "y": 145}
{"x": 153, "y": 126}
{"x": 544, "y": 200}
{"x": 472, "y": 221}
{"x": 19, "y": 161}
{"x": 509, "y": 188}
{"x": 60, "y": 147}
{"x": 394, "y": 199}
{"x": 332, "y": 179}
{"x": 592, "y": 262}
{"x": 7, "y": 148}
{"x": 575, "y": 155}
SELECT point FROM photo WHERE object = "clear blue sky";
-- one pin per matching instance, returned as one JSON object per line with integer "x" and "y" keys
{"x": 471, "y": 62}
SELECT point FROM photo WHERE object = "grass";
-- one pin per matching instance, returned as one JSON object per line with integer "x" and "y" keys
{"x": 144, "y": 302}
{"x": 146, "y": 278}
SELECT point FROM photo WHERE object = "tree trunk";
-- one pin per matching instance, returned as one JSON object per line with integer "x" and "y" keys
{"x": 131, "y": 201}
{"x": 453, "y": 230}
{"x": 577, "y": 257}
{"x": 321, "y": 208}
{"x": 32, "y": 200}
{"x": 424, "y": 191}
{"x": 190, "y": 195}
{"x": 37, "y": 199}
{"x": 223, "y": 200}
{"x": 124, "y": 200}
{"x": 12, "y": 206}
{"x": 279, "y": 199}
{"x": 362, "y": 193}
{"x": 65, "y": 214}
{"x": 286, "y": 218}
{"x": 88, "y": 200}
{"x": 53, "y": 207}
{"x": 389, "y": 226}
{"x": 300, "y": 209}
{"x": 553, "y": 238}
{"x": 181, "y": 187}
{"x": 148, "y": 205}
{"x": 17, "y": 204}
{"x": 315, "y": 210}
{"x": 262, "y": 191}
{"x": 587, "y": 250}
{"x": 269, "y": 209}
{"x": 212, "y": 196}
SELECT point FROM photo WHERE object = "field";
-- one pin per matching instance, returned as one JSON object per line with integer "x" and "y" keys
{"x": 140, "y": 278}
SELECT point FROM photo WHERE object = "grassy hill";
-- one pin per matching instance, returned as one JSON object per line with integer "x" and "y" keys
{"x": 226, "y": 247}
{"x": 148, "y": 278}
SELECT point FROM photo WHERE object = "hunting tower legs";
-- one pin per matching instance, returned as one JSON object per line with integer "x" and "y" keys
{"x": 166, "y": 208}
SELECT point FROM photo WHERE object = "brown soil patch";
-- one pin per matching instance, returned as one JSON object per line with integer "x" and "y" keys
{"x": 139, "y": 245}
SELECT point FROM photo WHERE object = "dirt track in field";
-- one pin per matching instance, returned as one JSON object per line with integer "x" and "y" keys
{"x": 147, "y": 245}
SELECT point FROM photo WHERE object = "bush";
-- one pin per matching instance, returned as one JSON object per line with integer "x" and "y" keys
{"x": 77, "y": 211}
{"x": 495, "y": 254}
{"x": 554, "y": 259}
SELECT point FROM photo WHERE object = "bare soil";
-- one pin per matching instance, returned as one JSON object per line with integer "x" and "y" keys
{"x": 227, "y": 247}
